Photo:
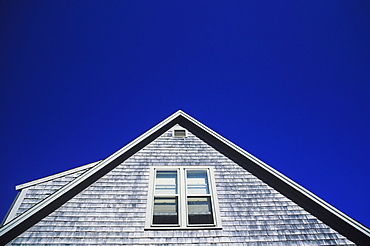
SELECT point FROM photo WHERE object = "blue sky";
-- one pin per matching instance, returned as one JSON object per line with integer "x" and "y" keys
{"x": 287, "y": 81}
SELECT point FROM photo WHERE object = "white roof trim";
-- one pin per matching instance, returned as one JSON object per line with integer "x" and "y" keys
{"x": 16, "y": 204}
{"x": 282, "y": 177}
{"x": 18, "y": 220}
{"x": 27, "y": 214}
{"x": 57, "y": 175}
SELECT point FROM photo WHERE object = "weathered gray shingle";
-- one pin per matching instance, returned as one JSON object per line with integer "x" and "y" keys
{"x": 112, "y": 210}
{"x": 37, "y": 193}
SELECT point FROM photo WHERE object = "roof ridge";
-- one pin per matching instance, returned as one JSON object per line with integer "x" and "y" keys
{"x": 315, "y": 205}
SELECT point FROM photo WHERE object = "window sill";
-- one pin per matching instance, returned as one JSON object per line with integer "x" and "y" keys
{"x": 182, "y": 228}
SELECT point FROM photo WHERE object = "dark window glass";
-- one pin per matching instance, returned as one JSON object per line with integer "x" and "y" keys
{"x": 179, "y": 133}
{"x": 165, "y": 210}
{"x": 200, "y": 210}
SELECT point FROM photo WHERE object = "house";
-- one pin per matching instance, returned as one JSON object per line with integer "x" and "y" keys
{"x": 180, "y": 183}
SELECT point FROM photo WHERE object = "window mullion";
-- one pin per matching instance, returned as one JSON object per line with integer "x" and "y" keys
{"x": 186, "y": 199}
{"x": 182, "y": 197}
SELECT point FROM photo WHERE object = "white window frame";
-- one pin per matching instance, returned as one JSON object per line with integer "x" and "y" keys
{"x": 179, "y": 129}
{"x": 182, "y": 199}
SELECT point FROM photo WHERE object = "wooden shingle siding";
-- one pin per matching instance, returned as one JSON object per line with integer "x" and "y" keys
{"x": 37, "y": 193}
{"x": 112, "y": 210}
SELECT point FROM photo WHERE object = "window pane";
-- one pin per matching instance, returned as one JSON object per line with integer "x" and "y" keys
{"x": 165, "y": 210}
{"x": 197, "y": 182}
{"x": 200, "y": 210}
{"x": 166, "y": 182}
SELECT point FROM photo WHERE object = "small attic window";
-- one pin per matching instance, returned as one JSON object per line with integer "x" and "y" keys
{"x": 179, "y": 133}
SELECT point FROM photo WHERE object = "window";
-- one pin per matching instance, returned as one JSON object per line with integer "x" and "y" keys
{"x": 177, "y": 133}
{"x": 182, "y": 197}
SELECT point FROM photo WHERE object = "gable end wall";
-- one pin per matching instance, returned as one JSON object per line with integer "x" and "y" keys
{"x": 112, "y": 210}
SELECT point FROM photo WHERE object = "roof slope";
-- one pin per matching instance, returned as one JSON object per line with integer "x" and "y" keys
{"x": 112, "y": 210}
{"x": 33, "y": 192}
{"x": 325, "y": 212}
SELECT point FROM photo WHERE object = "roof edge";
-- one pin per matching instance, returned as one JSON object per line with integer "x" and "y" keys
{"x": 26, "y": 220}
{"x": 54, "y": 176}
{"x": 15, "y": 206}
{"x": 9, "y": 231}
{"x": 284, "y": 179}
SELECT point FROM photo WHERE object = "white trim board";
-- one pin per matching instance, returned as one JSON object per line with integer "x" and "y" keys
{"x": 15, "y": 206}
{"x": 57, "y": 175}
{"x": 350, "y": 228}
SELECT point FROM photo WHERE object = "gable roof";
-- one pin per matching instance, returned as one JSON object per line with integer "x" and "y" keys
{"x": 48, "y": 184}
{"x": 322, "y": 210}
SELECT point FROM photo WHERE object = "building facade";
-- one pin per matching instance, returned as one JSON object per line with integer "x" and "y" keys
{"x": 180, "y": 183}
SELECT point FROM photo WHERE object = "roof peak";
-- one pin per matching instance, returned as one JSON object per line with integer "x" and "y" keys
{"x": 327, "y": 213}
